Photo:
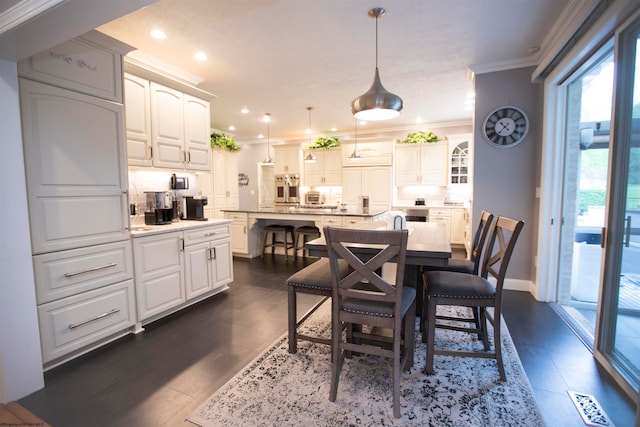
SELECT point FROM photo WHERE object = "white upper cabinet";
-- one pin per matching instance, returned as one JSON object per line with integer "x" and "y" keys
{"x": 166, "y": 127}
{"x": 197, "y": 136}
{"x": 288, "y": 159}
{"x": 422, "y": 164}
{"x": 76, "y": 168}
{"x": 326, "y": 170}
{"x": 371, "y": 181}
{"x": 138, "y": 120}
{"x": 83, "y": 65}
{"x": 460, "y": 163}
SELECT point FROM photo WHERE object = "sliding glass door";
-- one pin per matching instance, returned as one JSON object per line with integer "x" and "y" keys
{"x": 618, "y": 333}
{"x": 589, "y": 94}
{"x": 599, "y": 256}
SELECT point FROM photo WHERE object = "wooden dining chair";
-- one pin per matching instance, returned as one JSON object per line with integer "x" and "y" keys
{"x": 450, "y": 288}
{"x": 470, "y": 265}
{"x": 366, "y": 302}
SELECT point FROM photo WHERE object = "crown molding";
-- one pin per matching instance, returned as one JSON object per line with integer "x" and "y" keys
{"x": 503, "y": 66}
{"x": 24, "y": 11}
{"x": 150, "y": 63}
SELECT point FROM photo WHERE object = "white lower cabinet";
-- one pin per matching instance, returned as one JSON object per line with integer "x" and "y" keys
{"x": 459, "y": 226}
{"x": 158, "y": 263}
{"x": 176, "y": 268}
{"x": 456, "y": 220}
{"x": 208, "y": 261}
{"x": 76, "y": 322}
{"x": 239, "y": 234}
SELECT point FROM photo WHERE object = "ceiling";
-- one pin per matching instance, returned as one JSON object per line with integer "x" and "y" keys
{"x": 281, "y": 56}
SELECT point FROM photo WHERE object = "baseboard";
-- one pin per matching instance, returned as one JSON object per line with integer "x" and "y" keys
{"x": 519, "y": 285}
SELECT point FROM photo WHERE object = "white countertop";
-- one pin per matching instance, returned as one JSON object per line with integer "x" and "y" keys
{"x": 140, "y": 229}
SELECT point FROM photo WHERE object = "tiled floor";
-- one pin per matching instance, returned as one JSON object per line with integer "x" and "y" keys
{"x": 159, "y": 377}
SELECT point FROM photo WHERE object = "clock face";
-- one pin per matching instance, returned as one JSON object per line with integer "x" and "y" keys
{"x": 505, "y": 127}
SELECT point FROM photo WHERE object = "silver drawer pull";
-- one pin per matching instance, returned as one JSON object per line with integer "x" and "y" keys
{"x": 210, "y": 234}
{"x": 90, "y": 270}
{"x": 108, "y": 313}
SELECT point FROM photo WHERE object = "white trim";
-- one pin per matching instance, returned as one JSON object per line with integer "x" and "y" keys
{"x": 23, "y": 11}
{"x": 519, "y": 285}
{"x": 562, "y": 31}
{"x": 150, "y": 63}
{"x": 512, "y": 64}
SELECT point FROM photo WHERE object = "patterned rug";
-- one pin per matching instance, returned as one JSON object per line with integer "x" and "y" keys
{"x": 283, "y": 389}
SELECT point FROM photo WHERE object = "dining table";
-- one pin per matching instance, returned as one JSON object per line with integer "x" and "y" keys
{"x": 428, "y": 244}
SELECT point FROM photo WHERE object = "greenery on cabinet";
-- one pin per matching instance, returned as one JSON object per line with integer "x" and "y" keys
{"x": 220, "y": 140}
{"x": 325, "y": 142}
{"x": 420, "y": 137}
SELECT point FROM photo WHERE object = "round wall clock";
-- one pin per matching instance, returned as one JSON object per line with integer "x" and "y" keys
{"x": 505, "y": 127}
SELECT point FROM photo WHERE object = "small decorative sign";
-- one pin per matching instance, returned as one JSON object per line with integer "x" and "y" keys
{"x": 243, "y": 179}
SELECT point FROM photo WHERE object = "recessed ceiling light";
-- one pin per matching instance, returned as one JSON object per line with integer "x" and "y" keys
{"x": 200, "y": 56}
{"x": 260, "y": 136}
{"x": 334, "y": 129}
{"x": 245, "y": 110}
{"x": 308, "y": 131}
{"x": 362, "y": 122}
{"x": 419, "y": 120}
{"x": 158, "y": 34}
{"x": 232, "y": 127}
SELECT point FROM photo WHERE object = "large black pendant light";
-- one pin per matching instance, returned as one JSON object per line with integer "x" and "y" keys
{"x": 268, "y": 160}
{"x": 376, "y": 103}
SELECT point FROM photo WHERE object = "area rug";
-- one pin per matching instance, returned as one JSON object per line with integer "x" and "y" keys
{"x": 283, "y": 389}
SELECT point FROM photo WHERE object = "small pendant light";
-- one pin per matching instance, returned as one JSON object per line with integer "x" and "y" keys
{"x": 355, "y": 155}
{"x": 376, "y": 103}
{"x": 309, "y": 158}
{"x": 268, "y": 160}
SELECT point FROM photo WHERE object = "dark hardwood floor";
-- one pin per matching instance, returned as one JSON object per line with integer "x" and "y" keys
{"x": 159, "y": 377}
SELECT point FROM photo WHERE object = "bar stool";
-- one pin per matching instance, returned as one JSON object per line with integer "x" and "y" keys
{"x": 275, "y": 230}
{"x": 307, "y": 232}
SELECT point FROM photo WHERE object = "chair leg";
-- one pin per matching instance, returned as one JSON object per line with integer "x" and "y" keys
{"x": 484, "y": 335}
{"x": 409, "y": 336}
{"x": 336, "y": 353}
{"x": 431, "y": 333}
{"x": 292, "y": 319}
{"x": 396, "y": 373}
{"x": 497, "y": 344}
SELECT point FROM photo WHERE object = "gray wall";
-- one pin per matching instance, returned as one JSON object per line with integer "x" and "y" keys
{"x": 505, "y": 179}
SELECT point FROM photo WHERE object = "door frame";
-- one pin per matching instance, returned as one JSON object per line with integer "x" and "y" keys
{"x": 615, "y": 18}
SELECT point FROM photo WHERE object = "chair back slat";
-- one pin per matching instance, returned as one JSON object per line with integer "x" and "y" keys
{"x": 504, "y": 232}
{"x": 365, "y": 282}
{"x": 480, "y": 238}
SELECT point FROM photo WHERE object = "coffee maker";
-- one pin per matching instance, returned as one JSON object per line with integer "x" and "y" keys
{"x": 159, "y": 207}
{"x": 195, "y": 208}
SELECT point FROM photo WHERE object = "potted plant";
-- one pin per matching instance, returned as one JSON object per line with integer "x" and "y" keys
{"x": 325, "y": 142}
{"x": 420, "y": 137}
{"x": 220, "y": 140}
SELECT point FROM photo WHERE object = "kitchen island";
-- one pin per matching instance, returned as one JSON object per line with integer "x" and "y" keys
{"x": 247, "y": 226}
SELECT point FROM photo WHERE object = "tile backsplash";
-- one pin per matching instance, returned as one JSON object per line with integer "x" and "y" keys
{"x": 141, "y": 180}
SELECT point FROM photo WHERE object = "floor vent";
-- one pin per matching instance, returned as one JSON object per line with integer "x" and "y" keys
{"x": 590, "y": 410}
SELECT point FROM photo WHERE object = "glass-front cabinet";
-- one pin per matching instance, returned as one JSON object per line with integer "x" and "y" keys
{"x": 459, "y": 173}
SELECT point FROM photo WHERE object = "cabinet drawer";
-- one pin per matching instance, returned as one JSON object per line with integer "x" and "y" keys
{"x": 351, "y": 220}
{"x": 331, "y": 221}
{"x": 82, "y": 65}
{"x": 66, "y": 273}
{"x": 236, "y": 216}
{"x": 439, "y": 212}
{"x": 206, "y": 234}
{"x": 78, "y": 321}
